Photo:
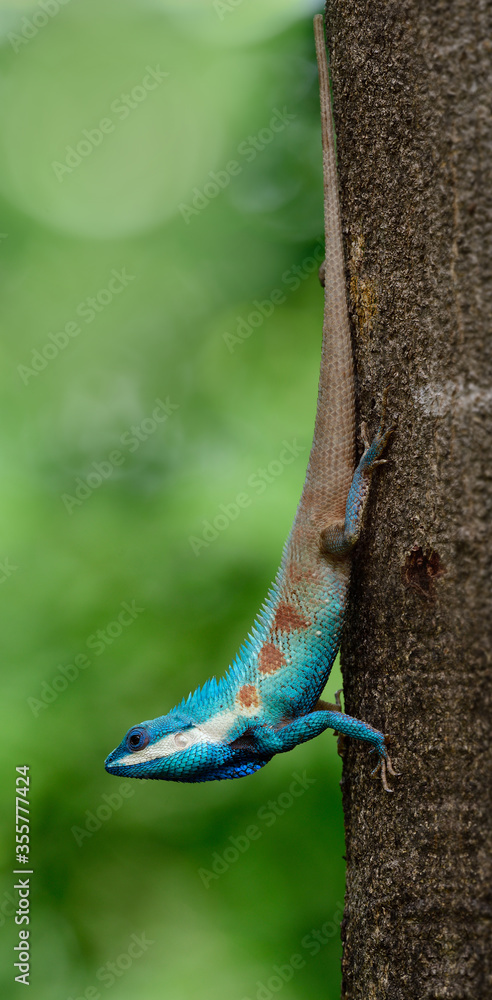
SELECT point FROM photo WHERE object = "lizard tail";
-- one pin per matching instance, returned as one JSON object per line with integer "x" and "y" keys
{"x": 331, "y": 462}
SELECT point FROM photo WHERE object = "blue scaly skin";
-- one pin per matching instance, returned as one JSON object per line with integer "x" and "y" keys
{"x": 269, "y": 701}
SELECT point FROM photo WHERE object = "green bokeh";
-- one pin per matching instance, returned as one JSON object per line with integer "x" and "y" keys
{"x": 168, "y": 333}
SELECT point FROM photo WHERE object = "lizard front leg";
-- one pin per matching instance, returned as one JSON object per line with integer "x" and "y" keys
{"x": 270, "y": 740}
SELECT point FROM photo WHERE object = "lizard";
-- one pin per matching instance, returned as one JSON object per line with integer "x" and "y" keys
{"x": 269, "y": 700}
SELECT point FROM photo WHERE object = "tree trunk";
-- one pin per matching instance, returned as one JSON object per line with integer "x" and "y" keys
{"x": 411, "y": 86}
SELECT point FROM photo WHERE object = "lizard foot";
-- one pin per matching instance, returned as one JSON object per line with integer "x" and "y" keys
{"x": 381, "y": 438}
{"x": 359, "y": 490}
{"x": 381, "y": 434}
{"x": 385, "y": 766}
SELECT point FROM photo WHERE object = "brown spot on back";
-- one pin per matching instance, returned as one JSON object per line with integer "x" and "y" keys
{"x": 248, "y": 696}
{"x": 270, "y": 659}
{"x": 288, "y": 618}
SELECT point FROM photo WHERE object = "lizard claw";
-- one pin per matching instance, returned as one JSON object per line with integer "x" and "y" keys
{"x": 373, "y": 450}
{"x": 381, "y": 433}
{"x": 384, "y": 765}
{"x": 381, "y": 437}
{"x": 365, "y": 435}
{"x": 390, "y": 769}
{"x": 389, "y": 765}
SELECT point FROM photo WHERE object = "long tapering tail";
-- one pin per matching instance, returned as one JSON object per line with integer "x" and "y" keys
{"x": 331, "y": 462}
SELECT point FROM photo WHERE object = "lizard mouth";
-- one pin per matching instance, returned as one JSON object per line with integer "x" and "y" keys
{"x": 110, "y": 764}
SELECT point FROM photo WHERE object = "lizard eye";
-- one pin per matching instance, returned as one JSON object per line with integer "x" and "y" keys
{"x": 137, "y": 738}
{"x": 182, "y": 740}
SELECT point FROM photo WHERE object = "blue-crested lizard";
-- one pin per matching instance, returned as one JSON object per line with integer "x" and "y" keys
{"x": 269, "y": 701}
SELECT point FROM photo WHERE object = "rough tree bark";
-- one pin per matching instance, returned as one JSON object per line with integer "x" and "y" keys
{"x": 412, "y": 86}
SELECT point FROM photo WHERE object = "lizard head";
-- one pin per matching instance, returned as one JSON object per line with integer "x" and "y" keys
{"x": 178, "y": 747}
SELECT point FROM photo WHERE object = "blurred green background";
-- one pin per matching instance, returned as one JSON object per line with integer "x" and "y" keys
{"x": 133, "y": 254}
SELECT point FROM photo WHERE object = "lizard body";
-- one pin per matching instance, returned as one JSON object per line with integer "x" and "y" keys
{"x": 268, "y": 702}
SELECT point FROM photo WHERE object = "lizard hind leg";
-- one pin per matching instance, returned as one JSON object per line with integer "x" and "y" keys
{"x": 338, "y": 538}
{"x": 359, "y": 490}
